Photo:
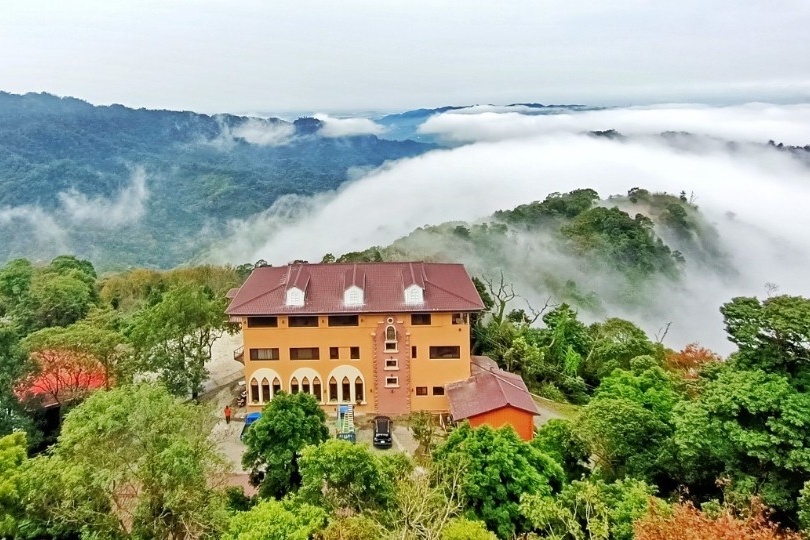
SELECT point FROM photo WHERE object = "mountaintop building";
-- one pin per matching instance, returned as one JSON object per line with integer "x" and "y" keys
{"x": 386, "y": 337}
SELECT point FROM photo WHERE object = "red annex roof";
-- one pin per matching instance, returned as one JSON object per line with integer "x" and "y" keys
{"x": 446, "y": 287}
{"x": 486, "y": 391}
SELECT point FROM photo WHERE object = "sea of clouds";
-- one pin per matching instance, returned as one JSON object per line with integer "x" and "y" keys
{"x": 756, "y": 196}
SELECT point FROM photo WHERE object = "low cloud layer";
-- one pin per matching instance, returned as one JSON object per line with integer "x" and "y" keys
{"x": 348, "y": 127}
{"x": 263, "y": 132}
{"x": 755, "y": 122}
{"x": 127, "y": 207}
{"x": 756, "y": 197}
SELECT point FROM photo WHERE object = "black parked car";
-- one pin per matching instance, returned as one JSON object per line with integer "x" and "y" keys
{"x": 382, "y": 432}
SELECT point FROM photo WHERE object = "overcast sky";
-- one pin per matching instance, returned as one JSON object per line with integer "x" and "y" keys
{"x": 307, "y": 55}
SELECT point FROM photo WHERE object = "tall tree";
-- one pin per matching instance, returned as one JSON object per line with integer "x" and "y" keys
{"x": 130, "y": 462}
{"x": 287, "y": 424}
{"x": 498, "y": 468}
{"x": 174, "y": 337}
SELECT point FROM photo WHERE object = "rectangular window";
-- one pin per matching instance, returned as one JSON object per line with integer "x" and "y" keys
{"x": 303, "y": 321}
{"x": 392, "y": 363}
{"x": 262, "y": 322}
{"x": 354, "y": 353}
{"x": 392, "y": 382}
{"x": 420, "y": 319}
{"x": 438, "y": 390}
{"x": 421, "y": 391}
{"x": 304, "y": 353}
{"x": 334, "y": 353}
{"x": 391, "y": 346}
{"x": 445, "y": 352}
{"x": 343, "y": 320}
{"x": 264, "y": 354}
{"x": 460, "y": 318}
{"x": 413, "y": 351}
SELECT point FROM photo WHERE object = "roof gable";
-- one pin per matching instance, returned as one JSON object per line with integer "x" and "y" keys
{"x": 487, "y": 391}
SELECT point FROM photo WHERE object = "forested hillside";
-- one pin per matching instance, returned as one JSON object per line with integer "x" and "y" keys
{"x": 663, "y": 443}
{"x": 126, "y": 187}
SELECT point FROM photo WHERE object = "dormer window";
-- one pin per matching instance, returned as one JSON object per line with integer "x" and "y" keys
{"x": 353, "y": 296}
{"x": 414, "y": 295}
{"x": 295, "y": 297}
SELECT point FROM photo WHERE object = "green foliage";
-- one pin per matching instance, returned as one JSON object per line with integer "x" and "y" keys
{"x": 353, "y": 528}
{"x": 613, "y": 344}
{"x": 628, "y": 244}
{"x": 287, "y": 424}
{"x": 12, "y": 457}
{"x": 14, "y": 366}
{"x": 752, "y": 428}
{"x": 554, "y": 207}
{"x": 498, "y": 469}
{"x": 274, "y": 520}
{"x": 199, "y": 173}
{"x": 341, "y": 476}
{"x": 423, "y": 428}
{"x": 174, "y": 337}
{"x": 773, "y": 334}
{"x": 622, "y": 436}
{"x": 132, "y": 462}
{"x": 590, "y": 509}
{"x": 560, "y": 441}
{"x": 466, "y": 529}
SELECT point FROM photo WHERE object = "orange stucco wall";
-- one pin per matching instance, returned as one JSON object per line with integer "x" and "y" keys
{"x": 521, "y": 421}
{"x": 371, "y": 366}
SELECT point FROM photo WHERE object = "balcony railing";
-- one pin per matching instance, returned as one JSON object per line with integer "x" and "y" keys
{"x": 239, "y": 355}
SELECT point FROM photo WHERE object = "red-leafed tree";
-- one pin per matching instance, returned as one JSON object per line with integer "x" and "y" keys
{"x": 66, "y": 367}
{"x": 685, "y": 522}
{"x": 690, "y": 360}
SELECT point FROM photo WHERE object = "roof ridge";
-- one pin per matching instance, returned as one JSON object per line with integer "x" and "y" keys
{"x": 265, "y": 293}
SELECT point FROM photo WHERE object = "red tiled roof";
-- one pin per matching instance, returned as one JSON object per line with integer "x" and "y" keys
{"x": 447, "y": 287}
{"x": 487, "y": 391}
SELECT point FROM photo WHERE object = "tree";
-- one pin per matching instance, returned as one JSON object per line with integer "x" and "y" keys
{"x": 423, "y": 429}
{"x": 622, "y": 436}
{"x": 749, "y": 427}
{"x": 131, "y": 461}
{"x": 12, "y": 456}
{"x": 274, "y": 520}
{"x": 773, "y": 334}
{"x": 174, "y": 337}
{"x": 685, "y": 522}
{"x": 65, "y": 370}
{"x": 690, "y": 360}
{"x": 287, "y": 424}
{"x": 343, "y": 477}
{"x": 591, "y": 509}
{"x": 613, "y": 344}
{"x": 466, "y": 529}
{"x": 499, "y": 468}
{"x": 559, "y": 440}
{"x": 14, "y": 367}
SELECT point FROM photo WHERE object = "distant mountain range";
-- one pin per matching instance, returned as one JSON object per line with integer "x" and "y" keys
{"x": 145, "y": 187}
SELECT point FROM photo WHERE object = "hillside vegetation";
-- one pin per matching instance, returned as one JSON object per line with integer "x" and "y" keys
{"x": 125, "y": 187}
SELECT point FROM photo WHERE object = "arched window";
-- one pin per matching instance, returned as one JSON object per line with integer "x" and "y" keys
{"x": 254, "y": 391}
{"x": 316, "y": 388}
{"x": 358, "y": 390}
{"x": 276, "y": 386}
{"x": 305, "y": 385}
{"x": 346, "y": 390}
{"x": 333, "y": 394}
{"x": 390, "y": 339}
{"x": 265, "y": 390}
{"x": 294, "y": 386}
